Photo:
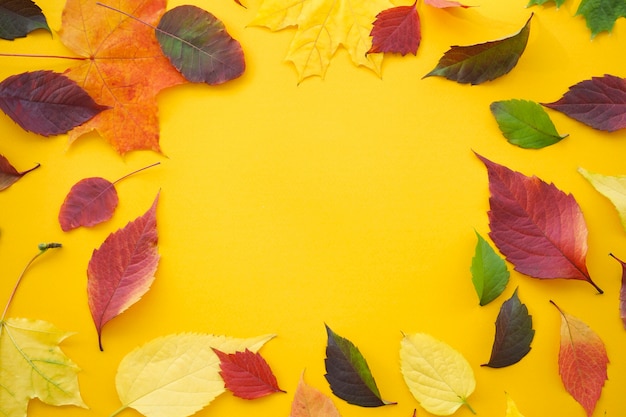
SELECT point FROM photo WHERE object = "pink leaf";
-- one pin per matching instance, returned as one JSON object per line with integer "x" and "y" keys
{"x": 9, "y": 175}
{"x": 444, "y": 4}
{"x": 396, "y": 30}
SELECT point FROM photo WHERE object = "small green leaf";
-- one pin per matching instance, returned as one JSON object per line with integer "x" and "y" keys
{"x": 489, "y": 272}
{"x": 601, "y": 15}
{"x": 558, "y": 3}
{"x": 525, "y": 123}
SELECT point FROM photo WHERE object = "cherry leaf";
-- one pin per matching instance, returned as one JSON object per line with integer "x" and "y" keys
{"x": 396, "y": 30}
{"x": 537, "y": 227}
{"x": 514, "y": 333}
{"x": 599, "y": 102}
{"x": 46, "y": 102}
{"x": 444, "y": 4}
{"x": 348, "y": 374}
{"x": 489, "y": 272}
{"x": 121, "y": 271}
{"x": 309, "y": 402}
{"x": 622, "y": 292}
{"x": 487, "y": 61}
{"x": 9, "y": 175}
{"x": 582, "y": 361}
{"x": 601, "y": 15}
{"x": 20, "y": 17}
{"x": 197, "y": 44}
{"x": 246, "y": 374}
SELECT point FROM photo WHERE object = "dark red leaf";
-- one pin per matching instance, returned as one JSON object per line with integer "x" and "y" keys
{"x": 599, "y": 103}
{"x": 46, "y": 103}
{"x": 247, "y": 375}
{"x": 396, "y": 30}
{"x": 9, "y": 175}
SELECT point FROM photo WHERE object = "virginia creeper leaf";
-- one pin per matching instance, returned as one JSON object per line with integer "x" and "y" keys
{"x": 511, "y": 408}
{"x": 525, "y": 123}
{"x": 489, "y": 272}
{"x": 176, "y": 375}
{"x": 600, "y": 15}
{"x": 197, "y": 44}
{"x": 438, "y": 376}
{"x": 124, "y": 68}
{"x": 599, "y": 103}
{"x": 348, "y": 374}
{"x": 20, "y": 17}
{"x": 444, "y": 4}
{"x": 537, "y": 227}
{"x": 613, "y": 188}
{"x": 622, "y": 292}
{"x": 396, "y": 30}
{"x": 46, "y": 103}
{"x": 582, "y": 361}
{"x": 246, "y": 374}
{"x": 121, "y": 271}
{"x": 482, "y": 62}
{"x": 514, "y": 333}
{"x": 309, "y": 402}
{"x": 9, "y": 175}
{"x": 324, "y": 25}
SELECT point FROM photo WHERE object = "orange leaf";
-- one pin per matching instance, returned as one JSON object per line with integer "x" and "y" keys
{"x": 124, "y": 69}
{"x": 309, "y": 402}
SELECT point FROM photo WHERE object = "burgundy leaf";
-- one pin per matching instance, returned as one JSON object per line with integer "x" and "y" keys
{"x": 599, "y": 103}
{"x": 9, "y": 175}
{"x": 396, "y": 30}
{"x": 46, "y": 102}
{"x": 622, "y": 292}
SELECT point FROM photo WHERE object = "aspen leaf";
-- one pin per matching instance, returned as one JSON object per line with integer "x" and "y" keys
{"x": 309, "y": 402}
{"x": 396, "y": 30}
{"x": 20, "y": 17}
{"x": 489, "y": 272}
{"x": 438, "y": 376}
{"x": 612, "y": 187}
{"x": 511, "y": 408}
{"x": 9, "y": 175}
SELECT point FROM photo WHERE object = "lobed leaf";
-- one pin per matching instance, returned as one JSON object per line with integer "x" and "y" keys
{"x": 600, "y": 15}
{"x": 9, "y": 175}
{"x": 18, "y": 18}
{"x": 309, "y": 402}
{"x": 489, "y": 272}
{"x": 612, "y": 187}
{"x": 396, "y": 30}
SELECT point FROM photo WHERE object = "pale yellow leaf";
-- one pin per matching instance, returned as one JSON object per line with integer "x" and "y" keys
{"x": 177, "y": 375}
{"x": 309, "y": 402}
{"x": 613, "y": 188}
{"x": 438, "y": 376}
{"x": 32, "y": 365}
{"x": 277, "y": 16}
{"x": 511, "y": 408}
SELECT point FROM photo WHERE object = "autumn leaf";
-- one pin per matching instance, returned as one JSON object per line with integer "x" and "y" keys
{"x": 599, "y": 103}
{"x": 9, "y": 175}
{"x": 46, "y": 103}
{"x": 444, "y": 4}
{"x": 525, "y": 123}
{"x": 176, "y": 375}
{"x": 396, "y": 30}
{"x": 124, "y": 69}
{"x": 309, "y": 402}
{"x": 558, "y": 3}
{"x": 600, "y": 15}
{"x": 511, "y": 408}
{"x": 348, "y": 374}
{"x": 438, "y": 376}
{"x": 612, "y": 187}
{"x": 324, "y": 25}
{"x": 487, "y": 61}
{"x": 121, "y": 271}
{"x": 514, "y": 334}
{"x": 20, "y": 17}
{"x": 489, "y": 272}
{"x": 582, "y": 361}
{"x": 246, "y": 374}
{"x": 622, "y": 292}
{"x": 537, "y": 227}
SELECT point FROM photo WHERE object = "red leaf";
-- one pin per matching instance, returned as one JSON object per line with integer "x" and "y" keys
{"x": 396, "y": 30}
{"x": 582, "y": 361}
{"x": 599, "y": 103}
{"x": 246, "y": 374}
{"x": 443, "y": 4}
{"x": 9, "y": 175}
{"x": 539, "y": 228}
{"x": 46, "y": 103}
{"x": 622, "y": 293}
{"x": 121, "y": 271}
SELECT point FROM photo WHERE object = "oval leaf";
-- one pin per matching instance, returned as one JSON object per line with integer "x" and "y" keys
{"x": 309, "y": 402}
{"x": 525, "y": 123}
{"x": 613, "y": 188}
{"x": 487, "y": 61}
{"x": 439, "y": 377}
{"x": 9, "y": 175}
{"x": 46, "y": 103}
{"x": 540, "y": 229}
{"x": 90, "y": 201}
{"x": 197, "y": 44}
{"x": 489, "y": 272}
{"x": 20, "y": 17}
{"x": 396, "y": 30}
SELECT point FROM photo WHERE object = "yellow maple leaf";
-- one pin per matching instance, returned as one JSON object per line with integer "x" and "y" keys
{"x": 324, "y": 25}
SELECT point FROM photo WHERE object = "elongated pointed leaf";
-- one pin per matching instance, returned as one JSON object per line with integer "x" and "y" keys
{"x": 612, "y": 187}
{"x": 121, "y": 271}
{"x": 20, "y": 17}
{"x": 525, "y": 123}
{"x": 487, "y": 61}
{"x": 46, "y": 103}
{"x": 622, "y": 292}
{"x": 197, "y": 44}
{"x": 540, "y": 229}
{"x": 348, "y": 374}
{"x": 600, "y": 15}
{"x": 489, "y": 272}
{"x": 90, "y": 201}
{"x": 9, "y": 175}
{"x": 396, "y": 30}
{"x": 309, "y": 402}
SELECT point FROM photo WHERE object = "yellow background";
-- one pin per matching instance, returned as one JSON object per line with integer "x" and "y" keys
{"x": 350, "y": 201}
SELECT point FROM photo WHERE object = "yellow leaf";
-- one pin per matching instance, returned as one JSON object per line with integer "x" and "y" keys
{"x": 439, "y": 377}
{"x": 324, "y": 25}
{"x": 177, "y": 375}
{"x": 613, "y": 188}
{"x": 33, "y": 366}
{"x": 511, "y": 408}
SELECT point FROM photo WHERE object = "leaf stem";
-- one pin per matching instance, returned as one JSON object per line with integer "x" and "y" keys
{"x": 136, "y": 171}
{"x": 76, "y": 58}
{"x": 595, "y": 286}
{"x": 119, "y": 410}
{"x": 43, "y": 247}
{"x": 469, "y": 406}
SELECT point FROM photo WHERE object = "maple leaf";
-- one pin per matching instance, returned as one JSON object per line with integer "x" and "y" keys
{"x": 489, "y": 272}
{"x": 396, "y": 30}
{"x": 309, "y": 402}
{"x": 324, "y": 25}
{"x": 121, "y": 271}
{"x": 124, "y": 69}
{"x": 9, "y": 175}
{"x": 622, "y": 292}
{"x": 20, "y": 17}
{"x": 600, "y": 15}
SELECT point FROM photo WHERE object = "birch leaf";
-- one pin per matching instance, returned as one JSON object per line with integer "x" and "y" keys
{"x": 613, "y": 188}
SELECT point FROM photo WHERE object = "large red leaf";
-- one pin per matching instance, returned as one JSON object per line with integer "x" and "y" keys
{"x": 9, "y": 175}
{"x": 121, "y": 271}
{"x": 396, "y": 30}
{"x": 539, "y": 228}
{"x": 599, "y": 103}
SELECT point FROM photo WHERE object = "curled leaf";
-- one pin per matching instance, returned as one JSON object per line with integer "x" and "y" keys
{"x": 396, "y": 30}
{"x": 20, "y": 17}
{"x": 9, "y": 175}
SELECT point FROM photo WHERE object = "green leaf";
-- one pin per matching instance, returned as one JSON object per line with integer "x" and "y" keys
{"x": 489, "y": 272}
{"x": 487, "y": 61}
{"x": 601, "y": 15}
{"x": 613, "y": 188}
{"x": 525, "y": 123}
{"x": 558, "y": 3}
{"x": 20, "y": 17}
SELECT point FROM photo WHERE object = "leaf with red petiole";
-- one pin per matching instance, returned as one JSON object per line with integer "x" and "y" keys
{"x": 9, "y": 175}
{"x": 396, "y": 30}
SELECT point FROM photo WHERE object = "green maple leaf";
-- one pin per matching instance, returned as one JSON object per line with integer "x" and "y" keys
{"x": 601, "y": 14}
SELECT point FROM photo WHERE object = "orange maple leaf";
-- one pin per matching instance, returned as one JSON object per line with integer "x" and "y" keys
{"x": 124, "y": 69}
